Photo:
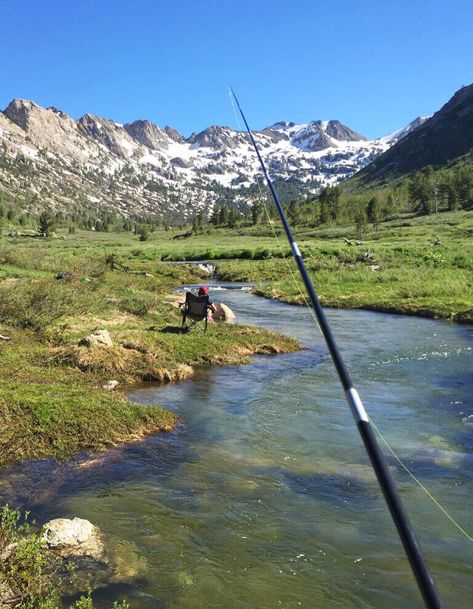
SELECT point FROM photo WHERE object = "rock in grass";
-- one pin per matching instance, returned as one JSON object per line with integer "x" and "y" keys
{"x": 99, "y": 337}
{"x": 8, "y": 597}
{"x": 110, "y": 385}
{"x": 77, "y": 537}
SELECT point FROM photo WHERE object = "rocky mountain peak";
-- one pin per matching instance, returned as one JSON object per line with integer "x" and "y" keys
{"x": 147, "y": 133}
{"x": 60, "y": 113}
{"x": 281, "y": 125}
{"x": 173, "y": 134}
{"x": 217, "y": 137}
{"x": 153, "y": 170}
{"x": 49, "y": 128}
{"x": 311, "y": 137}
{"x": 19, "y": 112}
{"x": 342, "y": 133}
{"x": 417, "y": 122}
{"x": 90, "y": 124}
{"x": 460, "y": 106}
{"x": 440, "y": 139}
{"x": 108, "y": 133}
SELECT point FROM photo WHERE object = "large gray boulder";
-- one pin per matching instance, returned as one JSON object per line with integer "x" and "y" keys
{"x": 77, "y": 560}
{"x": 223, "y": 313}
{"x": 77, "y": 543}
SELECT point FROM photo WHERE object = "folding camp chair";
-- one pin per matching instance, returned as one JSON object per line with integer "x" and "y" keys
{"x": 196, "y": 308}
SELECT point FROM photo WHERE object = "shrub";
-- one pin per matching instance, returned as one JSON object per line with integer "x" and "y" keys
{"x": 137, "y": 302}
{"x": 35, "y": 304}
{"x": 262, "y": 254}
{"x": 29, "y": 573}
{"x": 143, "y": 233}
{"x": 461, "y": 262}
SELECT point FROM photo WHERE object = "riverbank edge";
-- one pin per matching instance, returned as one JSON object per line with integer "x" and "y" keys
{"x": 54, "y": 401}
{"x": 464, "y": 317}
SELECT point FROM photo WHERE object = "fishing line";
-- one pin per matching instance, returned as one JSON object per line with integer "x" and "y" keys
{"x": 411, "y": 546}
{"x": 417, "y": 481}
{"x": 391, "y": 450}
{"x": 295, "y": 283}
{"x": 388, "y": 446}
{"x": 262, "y": 199}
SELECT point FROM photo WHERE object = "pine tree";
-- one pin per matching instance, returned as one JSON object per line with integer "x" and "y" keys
{"x": 256, "y": 212}
{"x": 47, "y": 223}
{"x": 233, "y": 218}
{"x": 215, "y": 217}
{"x": 294, "y": 213}
{"x": 143, "y": 232}
{"x": 329, "y": 204}
{"x": 223, "y": 216}
{"x": 197, "y": 224}
{"x": 372, "y": 211}
{"x": 421, "y": 193}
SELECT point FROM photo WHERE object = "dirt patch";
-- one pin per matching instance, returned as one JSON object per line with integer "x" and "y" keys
{"x": 83, "y": 324}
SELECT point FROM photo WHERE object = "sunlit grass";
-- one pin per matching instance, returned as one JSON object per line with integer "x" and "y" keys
{"x": 52, "y": 403}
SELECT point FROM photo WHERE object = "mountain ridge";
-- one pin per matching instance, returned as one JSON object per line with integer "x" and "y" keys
{"x": 439, "y": 140}
{"x": 140, "y": 169}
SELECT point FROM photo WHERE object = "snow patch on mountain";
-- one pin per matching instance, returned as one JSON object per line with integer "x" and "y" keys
{"x": 395, "y": 136}
{"x": 139, "y": 168}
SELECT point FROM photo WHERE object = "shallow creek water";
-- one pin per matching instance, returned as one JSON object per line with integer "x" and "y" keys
{"x": 263, "y": 497}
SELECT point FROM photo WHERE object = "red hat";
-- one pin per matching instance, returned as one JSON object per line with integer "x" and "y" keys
{"x": 203, "y": 289}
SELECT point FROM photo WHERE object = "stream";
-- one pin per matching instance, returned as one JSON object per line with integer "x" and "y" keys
{"x": 263, "y": 497}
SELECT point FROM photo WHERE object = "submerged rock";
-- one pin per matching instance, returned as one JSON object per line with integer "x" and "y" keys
{"x": 82, "y": 560}
{"x": 77, "y": 537}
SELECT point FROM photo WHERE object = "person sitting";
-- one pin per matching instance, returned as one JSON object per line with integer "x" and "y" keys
{"x": 197, "y": 307}
{"x": 204, "y": 291}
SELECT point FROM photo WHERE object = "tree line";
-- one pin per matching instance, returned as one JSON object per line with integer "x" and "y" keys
{"x": 425, "y": 192}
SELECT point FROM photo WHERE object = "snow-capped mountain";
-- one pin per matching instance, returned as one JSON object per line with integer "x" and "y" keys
{"x": 48, "y": 159}
{"x": 394, "y": 137}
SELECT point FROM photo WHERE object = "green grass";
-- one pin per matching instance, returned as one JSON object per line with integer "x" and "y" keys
{"x": 397, "y": 269}
{"x": 51, "y": 401}
{"x": 48, "y": 411}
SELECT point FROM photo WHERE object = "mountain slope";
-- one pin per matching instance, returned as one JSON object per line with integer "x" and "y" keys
{"x": 48, "y": 159}
{"x": 441, "y": 139}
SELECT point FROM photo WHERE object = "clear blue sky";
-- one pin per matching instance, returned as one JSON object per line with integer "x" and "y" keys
{"x": 372, "y": 64}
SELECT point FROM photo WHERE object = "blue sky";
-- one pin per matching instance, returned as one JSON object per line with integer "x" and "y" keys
{"x": 374, "y": 65}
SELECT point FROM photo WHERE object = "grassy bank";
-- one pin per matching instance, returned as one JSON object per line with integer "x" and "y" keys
{"x": 52, "y": 400}
{"x": 397, "y": 268}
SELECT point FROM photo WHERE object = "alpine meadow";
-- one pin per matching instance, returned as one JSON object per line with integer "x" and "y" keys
{"x": 158, "y": 453}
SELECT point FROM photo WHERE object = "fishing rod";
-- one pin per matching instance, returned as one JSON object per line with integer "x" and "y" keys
{"x": 411, "y": 546}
